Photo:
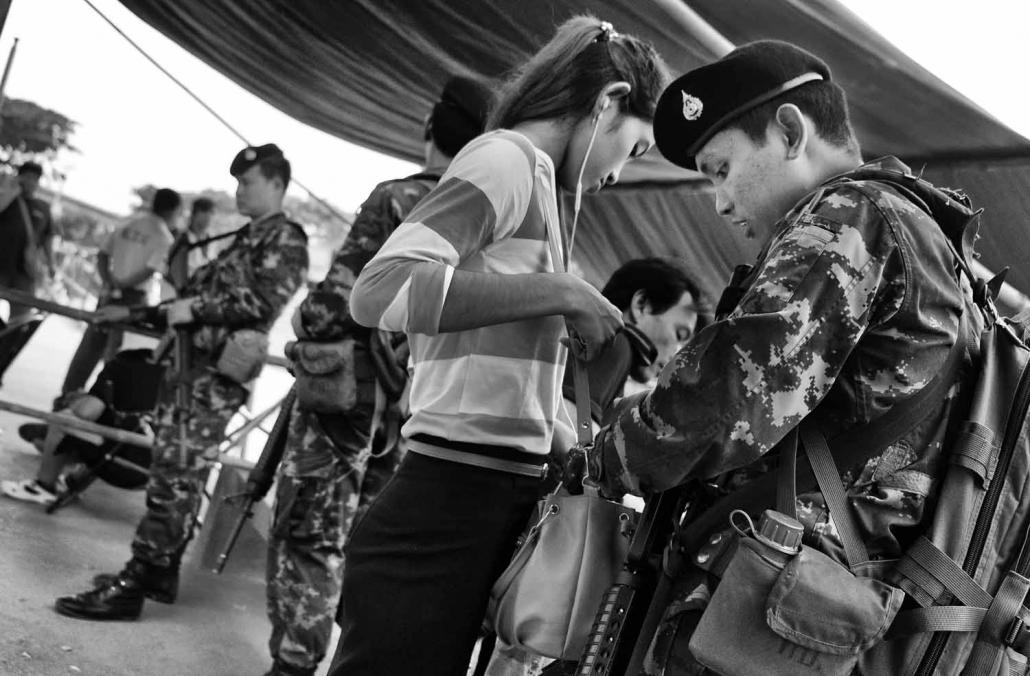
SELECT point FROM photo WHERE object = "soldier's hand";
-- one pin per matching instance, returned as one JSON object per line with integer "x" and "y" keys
{"x": 593, "y": 321}
{"x": 180, "y": 312}
{"x": 112, "y": 313}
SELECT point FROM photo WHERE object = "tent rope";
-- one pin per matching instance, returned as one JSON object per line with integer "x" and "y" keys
{"x": 207, "y": 107}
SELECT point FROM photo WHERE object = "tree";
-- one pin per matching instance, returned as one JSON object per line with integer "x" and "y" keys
{"x": 27, "y": 128}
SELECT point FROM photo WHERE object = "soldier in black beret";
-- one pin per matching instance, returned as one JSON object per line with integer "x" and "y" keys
{"x": 226, "y": 307}
{"x": 852, "y": 307}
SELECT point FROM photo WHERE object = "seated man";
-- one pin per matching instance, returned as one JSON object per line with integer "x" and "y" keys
{"x": 661, "y": 306}
{"x": 123, "y": 396}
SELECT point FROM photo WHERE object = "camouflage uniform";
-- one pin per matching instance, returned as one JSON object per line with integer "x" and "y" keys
{"x": 331, "y": 469}
{"x": 852, "y": 307}
{"x": 247, "y": 286}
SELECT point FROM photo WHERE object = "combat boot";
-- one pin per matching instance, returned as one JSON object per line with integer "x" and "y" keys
{"x": 122, "y": 599}
{"x": 159, "y": 584}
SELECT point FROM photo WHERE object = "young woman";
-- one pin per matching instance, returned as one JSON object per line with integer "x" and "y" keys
{"x": 475, "y": 277}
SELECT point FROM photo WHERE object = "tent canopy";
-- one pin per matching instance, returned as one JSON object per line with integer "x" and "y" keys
{"x": 367, "y": 71}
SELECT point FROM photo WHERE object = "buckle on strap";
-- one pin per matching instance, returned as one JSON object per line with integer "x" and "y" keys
{"x": 1017, "y": 636}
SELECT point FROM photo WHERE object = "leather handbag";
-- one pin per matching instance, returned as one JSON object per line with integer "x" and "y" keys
{"x": 546, "y": 600}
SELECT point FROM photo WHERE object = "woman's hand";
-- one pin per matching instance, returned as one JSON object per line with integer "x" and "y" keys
{"x": 592, "y": 321}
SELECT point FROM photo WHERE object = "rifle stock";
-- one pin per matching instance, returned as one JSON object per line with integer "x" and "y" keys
{"x": 262, "y": 476}
{"x": 625, "y": 607}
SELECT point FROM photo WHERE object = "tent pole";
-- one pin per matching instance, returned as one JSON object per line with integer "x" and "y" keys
{"x": 697, "y": 27}
{"x": 7, "y": 66}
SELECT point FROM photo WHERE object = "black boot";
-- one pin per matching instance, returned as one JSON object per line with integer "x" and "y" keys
{"x": 159, "y": 584}
{"x": 122, "y": 599}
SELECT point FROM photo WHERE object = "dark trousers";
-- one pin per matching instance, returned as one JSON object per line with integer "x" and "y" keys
{"x": 98, "y": 343}
{"x": 420, "y": 565}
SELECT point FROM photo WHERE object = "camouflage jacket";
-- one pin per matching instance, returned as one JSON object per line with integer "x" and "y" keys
{"x": 852, "y": 306}
{"x": 249, "y": 283}
{"x": 325, "y": 314}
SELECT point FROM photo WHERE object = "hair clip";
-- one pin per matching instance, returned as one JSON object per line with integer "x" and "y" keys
{"x": 607, "y": 32}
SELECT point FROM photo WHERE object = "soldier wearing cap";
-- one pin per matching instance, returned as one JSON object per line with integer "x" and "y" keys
{"x": 229, "y": 304}
{"x": 335, "y": 463}
{"x": 852, "y": 306}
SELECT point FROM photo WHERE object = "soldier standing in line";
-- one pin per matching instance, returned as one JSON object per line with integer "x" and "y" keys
{"x": 228, "y": 305}
{"x": 332, "y": 468}
{"x": 853, "y": 306}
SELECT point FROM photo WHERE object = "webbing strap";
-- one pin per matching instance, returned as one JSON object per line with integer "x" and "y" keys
{"x": 584, "y": 431}
{"x": 993, "y": 629}
{"x": 787, "y": 490}
{"x": 924, "y": 556}
{"x": 937, "y": 618}
{"x": 828, "y": 478}
{"x": 974, "y": 449}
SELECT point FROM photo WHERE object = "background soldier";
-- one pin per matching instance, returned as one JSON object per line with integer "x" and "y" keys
{"x": 331, "y": 467}
{"x": 243, "y": 290}
{"x": 852, "y": 307}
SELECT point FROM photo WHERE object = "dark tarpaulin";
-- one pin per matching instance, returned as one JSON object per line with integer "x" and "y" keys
{"x": 368, "y": 70}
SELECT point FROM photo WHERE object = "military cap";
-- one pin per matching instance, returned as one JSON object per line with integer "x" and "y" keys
{"x": 460, "y": 114}
{"x": 251, "y": 155}
{"x": 696, "y": 106}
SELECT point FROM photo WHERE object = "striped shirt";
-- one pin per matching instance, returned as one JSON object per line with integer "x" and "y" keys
{"x": 498, "y": 385}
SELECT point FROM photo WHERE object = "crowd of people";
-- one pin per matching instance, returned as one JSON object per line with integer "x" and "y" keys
{"x": 452, "y": 319}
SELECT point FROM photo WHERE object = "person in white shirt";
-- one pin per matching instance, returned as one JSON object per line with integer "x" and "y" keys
{"x": 127, "y": 262}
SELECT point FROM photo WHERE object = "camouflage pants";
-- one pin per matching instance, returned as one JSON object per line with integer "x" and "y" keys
{"x": 176, "y": 479}
{"x": 327, "y": 476}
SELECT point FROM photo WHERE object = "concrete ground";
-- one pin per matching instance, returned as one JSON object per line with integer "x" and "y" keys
{"x": 218, "y": 626}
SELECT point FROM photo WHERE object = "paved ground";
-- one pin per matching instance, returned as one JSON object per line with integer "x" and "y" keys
{"x": 218, "y": 626}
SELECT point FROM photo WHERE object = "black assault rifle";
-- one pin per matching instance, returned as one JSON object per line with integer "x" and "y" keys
{"x": 261, "y": 477}
{"x": 629, "y": 612}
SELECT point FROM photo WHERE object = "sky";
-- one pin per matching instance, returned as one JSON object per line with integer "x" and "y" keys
{"x": 135, "y": 126}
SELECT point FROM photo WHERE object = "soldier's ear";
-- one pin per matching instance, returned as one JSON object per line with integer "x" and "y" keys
{"x": 638, "y": 305}
{"x": 792, "y": 128}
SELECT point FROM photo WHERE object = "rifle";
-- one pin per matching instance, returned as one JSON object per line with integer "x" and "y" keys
{"x": 628, "y": 615}
{"x": 261, "y": 477}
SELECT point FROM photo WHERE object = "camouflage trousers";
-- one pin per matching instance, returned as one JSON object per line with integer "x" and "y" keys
{"x": 177, "y": 474}
{"x": 330, "y": 472}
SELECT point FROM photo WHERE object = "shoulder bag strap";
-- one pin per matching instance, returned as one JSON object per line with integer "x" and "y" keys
{"x": 584, "y": 431}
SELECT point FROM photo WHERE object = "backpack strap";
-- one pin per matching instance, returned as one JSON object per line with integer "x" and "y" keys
{"x": 854, "y": 447}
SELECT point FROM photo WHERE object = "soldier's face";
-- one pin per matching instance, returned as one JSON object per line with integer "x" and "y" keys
{"x": 755, "y": 183}
{"x": 257, "y": 195}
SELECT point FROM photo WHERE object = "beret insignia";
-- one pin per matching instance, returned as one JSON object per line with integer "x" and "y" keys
{"x": 692, "y": 107}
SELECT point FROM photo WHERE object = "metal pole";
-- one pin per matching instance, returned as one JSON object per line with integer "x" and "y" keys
{"x": 91, "y": 317}
{"x": 71, "y": 422}
{"x": 7, "y": 71}
{"x": 696, "y": 27}
{"x": 112, "y": 433}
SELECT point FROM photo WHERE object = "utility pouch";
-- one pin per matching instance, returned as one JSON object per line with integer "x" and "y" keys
{"x": 243, "y": 355}
{"x": 325, "y": 375}
{"x": 784, "y": 614}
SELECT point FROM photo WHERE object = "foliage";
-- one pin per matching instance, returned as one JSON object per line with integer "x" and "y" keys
{"x": 27, "y": 128}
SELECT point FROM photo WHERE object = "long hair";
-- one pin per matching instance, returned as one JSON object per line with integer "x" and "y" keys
{"x": 564, "y": 78}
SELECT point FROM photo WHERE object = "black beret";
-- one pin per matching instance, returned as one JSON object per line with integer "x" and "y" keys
{"x": 460, "y": 114}
{"x": 31, "y": 168}
{"x": 699, "y": 104}
{"x": 251, "y": 155}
